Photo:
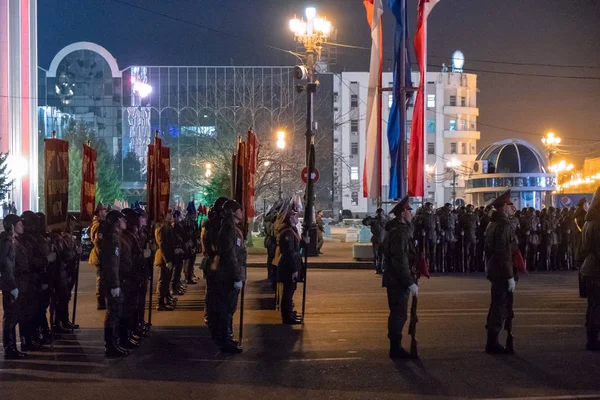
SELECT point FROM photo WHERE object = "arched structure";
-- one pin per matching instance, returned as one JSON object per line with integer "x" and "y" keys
{"x": 510, "y": 164}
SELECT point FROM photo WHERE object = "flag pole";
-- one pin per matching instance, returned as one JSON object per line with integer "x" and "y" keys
{"x": 402, "y": 190}
{"x": 425, "y": 139}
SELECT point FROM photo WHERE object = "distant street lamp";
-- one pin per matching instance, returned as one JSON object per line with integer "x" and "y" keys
{"x": 208, "y": 172}
{"x": 550, "y": 142}
{"x": 454, "y": 163}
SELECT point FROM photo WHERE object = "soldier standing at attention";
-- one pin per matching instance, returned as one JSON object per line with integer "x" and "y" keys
{"x": 193, "y": 235}
{"x": 163, "y": 260}
{"x": 13, "y": 283}
{"x": 95, "y": 236}
{"x": 590, "y": 272}
{"x": 500, "y": 244}
{"x": 377, "y": 225}
{"x": 110, "y": 259}
{"x": 399, "y": 276}
{"x": 231, "y": 274}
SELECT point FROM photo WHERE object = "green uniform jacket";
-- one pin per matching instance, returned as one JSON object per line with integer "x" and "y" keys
{"x": 110, "y": 260}
{"x": 95, "y": 239}
{"x": 500, "y": 242}
{"x": 232, "y": 253}
{"x": 165, "y": 240}
{"x": 399, "y": 255}
{"x": 8, "y": 280}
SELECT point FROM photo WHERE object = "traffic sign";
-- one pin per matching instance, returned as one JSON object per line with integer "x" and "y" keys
{"x": 314, "y": 176}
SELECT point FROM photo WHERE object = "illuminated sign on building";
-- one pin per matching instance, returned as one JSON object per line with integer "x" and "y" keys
{"x": 140, "y": 132}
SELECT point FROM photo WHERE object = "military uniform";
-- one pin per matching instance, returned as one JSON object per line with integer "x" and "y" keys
{"x": 320, "y": 232}
{"x": 230, "y": 275}
{"x": 550, "y": 237}
{"x": 448, "y": 238}
{"x": 131, "y": 275}
{"x": 577, "y": 240}
{"x": 12, "y": 281}
{"x": 163, "y": 261}
{"x": 468, "y": 224}
{"x": 500, "y": 244}
{"x": 399, "y": 276}
{"x": 289, "y": 269}
{"x": 193, "y": 235}
{"x": 270, "y": 244}
{"x": 63, "y": 277}
{"x": 428, "y": 227}
{"x": 377, "y": 226}
{"x": 590, "y": 272}
{"x": 94, "y": 260}
{"x": 181, "y": 239}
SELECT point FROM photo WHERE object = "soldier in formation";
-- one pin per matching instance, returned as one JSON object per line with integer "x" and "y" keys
{"x": 377, "y": 226}
{"x": 427, "y": 228}
{"x": 590, "y": 272}
{"x": 399, "y": 276}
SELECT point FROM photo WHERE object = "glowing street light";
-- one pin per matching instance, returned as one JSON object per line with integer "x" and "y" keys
{"x": 281, "y": 140}
{"x": 208, "y": 172}
{"x": 454, "y": 163}
{"x": 314, "y": 26}
{"x": 550, "y": 142}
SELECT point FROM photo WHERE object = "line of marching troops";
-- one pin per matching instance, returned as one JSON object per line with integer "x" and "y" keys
{"x": 454, "y": 239}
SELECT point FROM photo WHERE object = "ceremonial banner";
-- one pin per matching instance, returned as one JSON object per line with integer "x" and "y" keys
{"x": 252, "y": 159}
{"x": 152, "y": 180}
{"x": 56, "y": 182}
{"x": 164, "y": 178}
{"x": 88, "y": 184}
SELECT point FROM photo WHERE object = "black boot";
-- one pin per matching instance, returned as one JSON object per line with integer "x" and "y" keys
{"x": 493, "y": 346}
{"x": 11, "y": 353}
{"x": 125, "y": 341}
{"x": 510, "y": 344}
{"x": 396, "y": 350}
{"x": 593, "y": 344}
{"x": 163, "y": 305}
{"x": 60, "y": 328}
{"x": 110, "y": 345}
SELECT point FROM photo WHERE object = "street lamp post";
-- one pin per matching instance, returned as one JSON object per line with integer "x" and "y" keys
{"x": 454, "y": 163}
{"x": 311, "y": 33}
{"x": 550, "y": 142}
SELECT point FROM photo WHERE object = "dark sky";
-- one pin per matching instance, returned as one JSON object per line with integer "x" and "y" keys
{"x": 563, "y": 32}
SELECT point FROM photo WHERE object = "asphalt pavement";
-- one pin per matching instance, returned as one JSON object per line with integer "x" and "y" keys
{"x": 339, "y": 353}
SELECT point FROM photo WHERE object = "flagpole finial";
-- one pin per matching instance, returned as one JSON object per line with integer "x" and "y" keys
{"x": 156, "y": 133}
{"x": 53, "y": 134}
{"x": 89, "y": 143}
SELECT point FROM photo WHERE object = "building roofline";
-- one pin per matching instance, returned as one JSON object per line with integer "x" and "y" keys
{"x": 73, "y": 47}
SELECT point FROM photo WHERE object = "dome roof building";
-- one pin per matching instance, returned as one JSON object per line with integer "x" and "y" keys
{"x": 510, "y": 164}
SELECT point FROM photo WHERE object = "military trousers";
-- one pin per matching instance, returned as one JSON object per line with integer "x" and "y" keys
{"x": 500, "y": 314}
{"x": 189, "y": 267}
{"x": 62, "y": 295}
{"x": 378, "y": 255}
{"x": 130, "y": 295}
{"x": 287, "y": 299}
{"x": 319, "y": 241}
{"x": 398, "y": 304}
{"x": 176, "y": 274}
{"x": 592, "y": 316}
{"x": 114, "y": 311}
{"x": 164, "y": 279}
{"x": 10, "y": 319}
{"x": 100, "y": 287}
{"x": 226, "y": 299}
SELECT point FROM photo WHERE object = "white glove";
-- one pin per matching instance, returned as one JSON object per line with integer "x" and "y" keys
{"x": 511, "y": 285}
{"x": 51, "y": 257}
{"x": 169, "y": 265}
{"x": 44, "y": 286}
{"x": 78, "y": 250}
{"x": 116, "y": 292}
{"x": 414, "y": 289}
{"x": 238, "y": 285}
{"x": 15, "y": 293}
{"x": 147, "y": 253}
{"x": 178, "y": 251}
{"x": 295, "y": 277}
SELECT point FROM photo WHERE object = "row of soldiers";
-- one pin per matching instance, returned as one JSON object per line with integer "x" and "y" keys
{"x": 38, "y": 270}
{"x": 126, "y": 249}
{"x": 504, "y": 261}
{"x": 453, "y": 240}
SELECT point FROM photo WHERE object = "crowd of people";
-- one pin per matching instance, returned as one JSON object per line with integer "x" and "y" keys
{"x": 453, "y": 240}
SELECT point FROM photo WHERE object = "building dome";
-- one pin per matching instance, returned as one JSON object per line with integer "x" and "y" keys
{"x": 513, "y": 157}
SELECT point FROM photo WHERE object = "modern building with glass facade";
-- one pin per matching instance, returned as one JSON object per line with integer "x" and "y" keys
{"x": 515, "y": 165}
{"x": 198, "y": 110}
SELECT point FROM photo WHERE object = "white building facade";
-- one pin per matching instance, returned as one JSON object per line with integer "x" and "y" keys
{"x": 18, "y": 100}
{"x": 452, "y": 134}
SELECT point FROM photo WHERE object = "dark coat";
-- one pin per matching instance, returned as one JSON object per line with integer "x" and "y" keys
{"x": 590, "y": 250}
{"x": 132, "y": 259}
{"x": 26, "y": 280}
{"x": 289, "y": 249}
{"x": 468, "y": 224}
{"x": 377, "y": 225}
{"x": 577, "y": 235}
{"x": 37, "y": 255}
{"x": 400, "y": 255}
{"x": 110, "y": 260}
{"x": 8, "y": 280}
{"x": 232, "y": 253}
{"x": 500, "y": 243}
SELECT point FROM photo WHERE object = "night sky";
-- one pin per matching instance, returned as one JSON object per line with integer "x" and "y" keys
{"x": 563, "y": 32}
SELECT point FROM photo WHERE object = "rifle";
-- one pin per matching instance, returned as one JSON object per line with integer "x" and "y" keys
{"x": 412, "y": 329}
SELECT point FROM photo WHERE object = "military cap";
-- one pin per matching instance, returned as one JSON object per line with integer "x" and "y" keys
{"x": 99, "y": 207}
{"x": 503, "y": 200}
{"x": 401, "y": 206}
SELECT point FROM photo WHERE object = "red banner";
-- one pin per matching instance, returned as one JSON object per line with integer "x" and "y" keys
{"x": 152, "y": 181}
{"x": 250, "y": 184}
{"x": 164, "y": 181}
{"x": 56, "y": 182}
{"x": 88, "y": 184}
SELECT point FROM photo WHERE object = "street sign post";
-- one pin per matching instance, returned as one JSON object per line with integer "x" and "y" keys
{"x": 314, "y": 176}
